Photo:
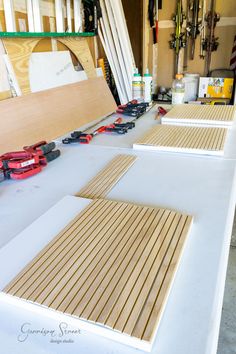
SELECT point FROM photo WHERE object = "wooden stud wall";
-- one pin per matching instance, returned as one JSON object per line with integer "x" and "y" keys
{"x": 187, "y": 139}
{"x": 200, "y": 114}
{"x": 105, "y": 180}
{"x": 112, "y": 265}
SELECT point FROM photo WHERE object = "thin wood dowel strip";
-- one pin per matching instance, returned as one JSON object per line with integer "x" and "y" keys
{"x": 202, "y": 114}
{"x": 112, "y": 265}
{"x": 105, "y": 180}
{"x": 26, "y": 273}
{"x": 185, "y": 138}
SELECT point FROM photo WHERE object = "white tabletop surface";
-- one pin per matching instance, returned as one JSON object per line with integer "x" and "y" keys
{"x": 201, "y": 186}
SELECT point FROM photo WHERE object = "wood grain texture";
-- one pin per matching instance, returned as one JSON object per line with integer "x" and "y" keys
{"x": 201, "y": 114}
{"x": 52, "y": 113}
{"x": 113, "y": 265}
{"x": 105, "y": 180}
{"x": 2, "y": 19}
{"x": 182, "y": 138}
{"x": 5, "y": 94}
{"x": 19, "y": 51}
{"x": 80, "y": 48}
{"x": 21, "y": 16}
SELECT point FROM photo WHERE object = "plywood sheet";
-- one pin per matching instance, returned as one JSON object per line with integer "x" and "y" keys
{"x": 52, "y": 113}
{"x": 80, "y": 48}
{"x": 19, "y": 51}
{"x": 200, "y": 115}
{"x": 5, "y": 94}
{"x": 200, "y": 140}
{"x": 105, "y": 180}
{"x": 112, "y": 266}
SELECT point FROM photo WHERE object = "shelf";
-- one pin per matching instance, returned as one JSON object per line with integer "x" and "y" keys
{"x": 45, "y": 34}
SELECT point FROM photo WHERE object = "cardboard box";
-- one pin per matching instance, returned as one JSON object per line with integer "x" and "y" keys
{"x": 215, "y": 87}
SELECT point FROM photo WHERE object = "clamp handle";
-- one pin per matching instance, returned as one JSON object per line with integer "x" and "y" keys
{"x": 50, "y": 156}
{"x": 47, "y": 147}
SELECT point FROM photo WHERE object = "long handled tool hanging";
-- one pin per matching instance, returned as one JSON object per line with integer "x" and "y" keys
{"x": 210, "y": 44}
{"x": 193, "y": 24}
{"x": 153, "y": 13}
{"x": 178, "y": 40}
{"x": 158, "y": 5}
{"x": 185, "y": 64}
{"x": 203, "y": 30}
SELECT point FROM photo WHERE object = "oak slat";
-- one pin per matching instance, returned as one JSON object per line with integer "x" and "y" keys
{"x": 201, "y": 114}
{"x": 112, "y": 265}
{"x": 106, "y": 179}
{"x": 204, "y": 139}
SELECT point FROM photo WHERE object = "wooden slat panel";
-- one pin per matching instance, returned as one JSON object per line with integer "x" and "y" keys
{"x": 112, "y": 265}
{"x": 182, "y": 138}
{"x": 201, "y": 114}
{"x": 49, "y": 114}
{"x": 105, "y": 180}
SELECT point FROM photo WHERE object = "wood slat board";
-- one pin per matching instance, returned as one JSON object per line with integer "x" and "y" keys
{"x": 52, "y": 113}
{"x": 200, "y": 115}
{"x": 113, "y": 266}
{"x": 107, "y": 178}
{"x": 200, "y": 140}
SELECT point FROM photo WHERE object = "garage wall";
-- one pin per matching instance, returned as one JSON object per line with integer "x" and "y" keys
{"x": 220, "y": 59}
{"x": 47, "y": 8}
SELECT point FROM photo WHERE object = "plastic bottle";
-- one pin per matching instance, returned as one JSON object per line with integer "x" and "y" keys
{"x": 137, "y": 86}
{"x": 191, "y": 86}
{"x": 147, "y": 81}
{"x": 178, "y": 90}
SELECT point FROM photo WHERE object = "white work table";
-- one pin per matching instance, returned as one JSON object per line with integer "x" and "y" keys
{"x": 200, "y": 186}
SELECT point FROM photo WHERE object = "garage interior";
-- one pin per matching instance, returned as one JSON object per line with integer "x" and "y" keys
{"x": 117, "y": 171}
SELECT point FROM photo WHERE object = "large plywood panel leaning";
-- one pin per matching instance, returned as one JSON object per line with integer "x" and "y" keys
{"x": 190, "y": 114}
{"x": 49, "y": 114}
{"x": 198, "y": 140}
{"x": 110, "y": 269}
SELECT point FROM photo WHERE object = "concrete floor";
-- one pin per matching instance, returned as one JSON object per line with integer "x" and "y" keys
{"x": 227, "y": 338}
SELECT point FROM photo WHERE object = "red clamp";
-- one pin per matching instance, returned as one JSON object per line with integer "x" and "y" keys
{"x": 17, "y": 159}
{"x": 23, "y": 164}
{"x": 160, "y": 112}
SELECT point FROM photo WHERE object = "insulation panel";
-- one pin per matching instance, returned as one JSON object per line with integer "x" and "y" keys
{"x": 105, "y": 180}
{"x": 200, "y": 140}
{"x": 200, "y": 115}
{"x": 111, "y": 267}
